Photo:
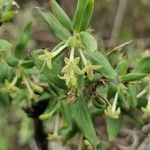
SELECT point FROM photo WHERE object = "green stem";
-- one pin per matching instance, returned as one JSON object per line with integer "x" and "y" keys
{"x": 72, "y": 54}
{"x": 14, "y": 80}
{"x": 59, "y": 50}
{"x": 56, "y": 124}
{"x": 115, "y": 102}
{"x": 28, "y": 86}
{"x": 83, "y": 57}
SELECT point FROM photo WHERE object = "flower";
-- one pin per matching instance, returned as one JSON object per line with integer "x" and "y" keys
{"x": 47, "y": 57}
{"x": 10, "y": 88}
{"x": 111, "y": 110}
{"x": 70, "y": 71}
{"x": 89, "y": 68}
{"x": 111, "y": 113}
{"x": 146, "y": 111}
{"x": 55, "y": 137}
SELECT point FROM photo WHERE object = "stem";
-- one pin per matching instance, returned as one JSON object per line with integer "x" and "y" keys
{"x": 72, "y": 54}
{"x": 28, "y": 86}
{"x": 43, "y": 67}
{"x": 115, "y": 102}
{"x": 14, "y": 80}
{"x": 56, "y": 124}
{"x": 83, "y": 57}
{"x": 141, "y": 93}
{"x": 59, "y": 50}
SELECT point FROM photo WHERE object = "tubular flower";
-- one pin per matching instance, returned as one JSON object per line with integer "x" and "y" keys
{"x": 146, "y": 111}
{"x": 10, "y": 88}
{"x": 47, "y": 56}
{"x": 89, "y": 68}
{"x": 111, "y": 110}
{"x": 55, "y": 137}
{"x": 70, "y": 71}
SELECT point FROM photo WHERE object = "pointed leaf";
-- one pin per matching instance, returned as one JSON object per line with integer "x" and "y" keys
{"x": 83, "y": 119}
{"x": 122, "y": 67}
{"x": 99, "y": 59}
{"x": 55, "y": 26}
{"x": 113, "y": 127}
{"x": 88, "y": 41}
{"x": 143, "y": 65}
{"x": 51, "y": 74}
{"x": 87, "y": 15}
{"x": 61, "y": 15}
{"x": 79, "y": 15}
{"x": 133, "y": 77}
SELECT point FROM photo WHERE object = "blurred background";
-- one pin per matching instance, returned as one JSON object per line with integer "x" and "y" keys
{"x": 114, "y": 22}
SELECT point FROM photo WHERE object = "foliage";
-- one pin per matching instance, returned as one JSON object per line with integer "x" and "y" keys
{"x": 65, "y": 75}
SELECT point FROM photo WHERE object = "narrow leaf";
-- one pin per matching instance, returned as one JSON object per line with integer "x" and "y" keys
{"x": 113, "y": 127}
{"x": 55, "y": 26}
{"x": 79, "y": 15}
{"x": 52, "y": 75}
{"x": 83, "y": 119}
{"x": 143, "y": 65}
{"x": 61, "y": 15}
{"x": 87, "y": 15}
{"x": 133, "y": 77}
{"x": 99, "y": 59}
{"x": 88, "y": 41}
{"x": 122, "y": 67}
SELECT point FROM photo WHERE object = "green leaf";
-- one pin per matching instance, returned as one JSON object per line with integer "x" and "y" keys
{"x": 5, "y": 45}
{"x": 122, "y": 67}
{"x": 88, "y": 41}
{"x": 23, "y": 40}
{"x": 87, "y": 15}
{"x": 113, "y": 127}
{"x": 99, "y": 103}
{"x": 133, "y": 77}
{"x": 112, "y": 89}
{"x": 99, "y": 59}
{"x": 52, "y": 75}
{"x": 79, "y": 15}
{"x": 61, "y": 15}
{"x": 4, "y": 99}
{"x": 12, "y": 61}
{"x": 5, "y": 71}
{"x": 123, "y": 102}
{"x": 55, "y": 26}
{"x": 83, "y": 119}
{"x": 133, "y": 94}
{"x": 143, "y": 65}
{"x": 71, "y": 129}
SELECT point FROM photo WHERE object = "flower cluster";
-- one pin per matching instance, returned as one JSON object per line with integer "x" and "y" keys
{"x": 71, "y": 70}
